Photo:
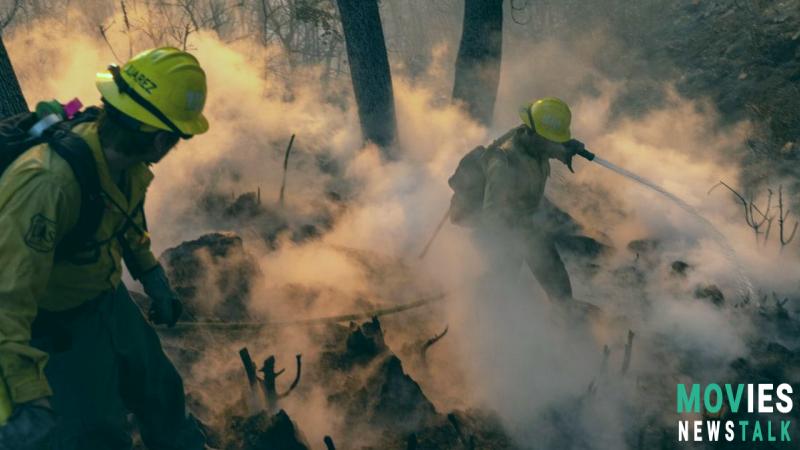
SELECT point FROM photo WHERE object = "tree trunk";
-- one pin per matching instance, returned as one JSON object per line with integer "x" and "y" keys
{"x": 369, "y": 70}
{"x": 11, "y": 99}
{"x": 479, "y": 57}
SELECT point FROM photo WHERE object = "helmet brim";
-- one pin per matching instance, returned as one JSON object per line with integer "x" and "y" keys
{"x": 109, "y": 91}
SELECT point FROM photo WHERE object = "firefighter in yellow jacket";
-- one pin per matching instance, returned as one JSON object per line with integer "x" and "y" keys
{"x": 75, "y": 352}
{"x": 499, "y": 192}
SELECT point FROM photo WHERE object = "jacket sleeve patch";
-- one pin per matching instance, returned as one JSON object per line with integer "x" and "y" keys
{"x": 41, "y": 235}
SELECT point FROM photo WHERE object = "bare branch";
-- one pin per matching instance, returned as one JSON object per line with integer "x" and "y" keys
{"x": 285, "y": 170}
{"x": 626, "y": 362}
{"x": 739, "y": 196}
{"x": 296, "y": 381}
{"x": 751, "y": 209}
{"x": 249, "y": 366}
{"x": 430, "y": 342}
{"x": 270, "y": 377}
{"x": 782, "y": 216}
{"x": 103, "y": 30}
{"x": 127, "y": 28}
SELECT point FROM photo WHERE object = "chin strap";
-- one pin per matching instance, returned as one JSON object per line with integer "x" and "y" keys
{"x": 126, "y": 89}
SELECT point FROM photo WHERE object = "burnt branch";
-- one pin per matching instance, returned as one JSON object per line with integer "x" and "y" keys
{"x": 606, "y": 354}
{"x": 751, "y": 211}
{"x": 782, "y": 216}
{"x": 296, "y": 381}
{"x": 769, "y": 229}
{"x": 430, "y": 342}
{"x": 271, "y": 376}
{"x": 780, "y": 304}
{"x": 626, "y": 362}
{"x": 253, "y": 401}
{"x": 249, "y": 366}
{"x": 281, "y": 195}
{"x": 103, "y": 31}
{"x": 127, "y": 28}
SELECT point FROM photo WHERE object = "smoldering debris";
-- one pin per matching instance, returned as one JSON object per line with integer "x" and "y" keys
{"x": 214, "y": 274}
{"x": 247, "y": 211}
{"x": 384, "y": 397}
{"x": 382, "y": 407}
{"x": 711, "y": 293}
{"x": 265, "y": 431}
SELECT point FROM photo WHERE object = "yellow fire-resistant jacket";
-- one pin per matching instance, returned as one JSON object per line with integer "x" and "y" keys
{"x": 39, "y": 204}
{"x": 515, "y": 181}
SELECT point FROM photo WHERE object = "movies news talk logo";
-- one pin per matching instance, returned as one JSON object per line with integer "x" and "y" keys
{"x": 739, "y": 399}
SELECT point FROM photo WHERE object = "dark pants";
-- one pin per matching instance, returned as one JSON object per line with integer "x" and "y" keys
{"x": 106, "y": 360}
{"x": 545, "y": 262}
{"x": 507, "y": 250}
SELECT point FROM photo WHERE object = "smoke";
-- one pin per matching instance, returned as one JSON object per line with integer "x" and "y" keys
{"x": 526, "y": 363}
{"x": 509, "y": 349}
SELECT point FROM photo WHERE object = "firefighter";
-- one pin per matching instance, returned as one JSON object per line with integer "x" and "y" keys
{"x": 76, "y": 354}
{"x": 499, "y": 192}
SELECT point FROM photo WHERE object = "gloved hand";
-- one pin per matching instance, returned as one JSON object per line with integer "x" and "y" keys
{"x": 29, "y": 426}
{"x": 165, "y": 306}
{"x": 575, "y": 147}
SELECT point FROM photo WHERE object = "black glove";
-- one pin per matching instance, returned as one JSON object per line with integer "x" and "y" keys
{"x": 29, "y": 427}
{"x": 576, "y": 147}
{"x": 165, "y": 306}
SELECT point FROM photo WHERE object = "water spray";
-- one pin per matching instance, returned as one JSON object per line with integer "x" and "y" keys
{"x": 745, "y": 286}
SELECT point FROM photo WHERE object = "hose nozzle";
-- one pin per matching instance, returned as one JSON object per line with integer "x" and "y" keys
{"x": 576, "y": 147}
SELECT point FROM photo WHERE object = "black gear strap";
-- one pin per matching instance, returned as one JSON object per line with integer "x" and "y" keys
{"x": 80, "y": 238}
{"x": 126, "y": 89}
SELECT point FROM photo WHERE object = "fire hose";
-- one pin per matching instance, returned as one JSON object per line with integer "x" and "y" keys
{"x": 227, "y": 326}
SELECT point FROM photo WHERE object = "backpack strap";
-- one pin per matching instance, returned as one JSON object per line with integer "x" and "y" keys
{"x": 78, "y": 155}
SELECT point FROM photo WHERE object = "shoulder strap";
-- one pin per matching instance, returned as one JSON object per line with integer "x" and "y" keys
{"x": 89, "y": 114}
{"x": 497, "y": 143}
{"x": 78, "y": 155}
{"x": 496, "y": 148}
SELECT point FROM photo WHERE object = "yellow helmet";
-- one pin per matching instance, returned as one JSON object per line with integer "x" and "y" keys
{"x": 164, "y": 88}
{"x": 548, "y": 117}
